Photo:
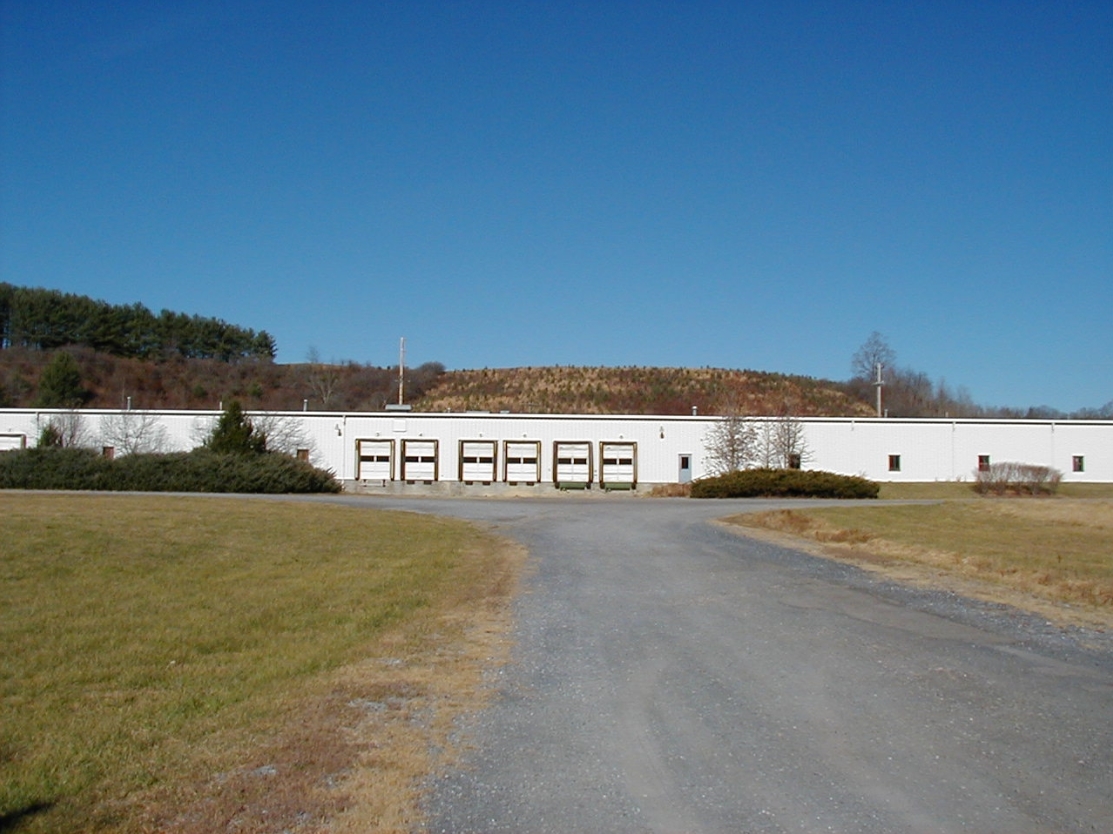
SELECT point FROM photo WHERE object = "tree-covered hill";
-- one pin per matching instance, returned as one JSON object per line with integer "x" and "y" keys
{"x": 120, "y": 356}
{"x": 107, "y": 381}
{"x": 42, "y": 319}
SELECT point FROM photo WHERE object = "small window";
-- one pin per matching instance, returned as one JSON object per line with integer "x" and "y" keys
{"x": 795, "y": 460}
{"x": 894, "y": 463}
{"x": 983, "y": 463}
{"x": 1078, "y": 463}
{"x": 109, "y": 452}
{"x": 303, "y": 455}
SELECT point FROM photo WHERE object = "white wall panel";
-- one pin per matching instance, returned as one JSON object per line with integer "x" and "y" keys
{"x": 929, "y": 450}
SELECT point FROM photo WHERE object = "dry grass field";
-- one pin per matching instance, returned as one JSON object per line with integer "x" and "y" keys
{"x": 635, "y": 390}
{"x": 1052, "y": 555}
{"x": 193, "y": 665}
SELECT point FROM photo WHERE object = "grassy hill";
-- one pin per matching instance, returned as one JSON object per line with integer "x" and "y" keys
{"x": 199, "y": 383}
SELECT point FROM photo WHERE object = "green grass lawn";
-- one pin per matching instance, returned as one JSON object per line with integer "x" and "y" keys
{"x": 147, "y": 639}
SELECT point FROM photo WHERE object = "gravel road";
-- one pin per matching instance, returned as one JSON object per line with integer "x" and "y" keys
{"x": 671, "y": 676}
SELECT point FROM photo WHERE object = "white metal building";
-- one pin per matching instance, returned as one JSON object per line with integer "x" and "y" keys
{"x": 369, "y": 451}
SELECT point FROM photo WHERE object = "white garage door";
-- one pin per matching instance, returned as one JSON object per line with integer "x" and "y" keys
{"x": 522, "y": 461}
{"x": 618, "y": 465}
{"x": 477, "y": 461}
{"x": 11, "y": 442}
{"x": 572, "y": 463}
{"x": 376, "y": 460}
{"x": 419, "y": 460}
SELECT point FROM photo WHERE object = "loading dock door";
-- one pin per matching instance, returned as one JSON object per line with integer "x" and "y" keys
{"x": 376, "y": 460}
{"x": 522, "y": 461}
{"x": 572, "y": 464}
{"x": 618, "y": 465}
{"x": 477, "y": 461}
{"x": 11, "y": 442}
{"x": 419, "y": 460}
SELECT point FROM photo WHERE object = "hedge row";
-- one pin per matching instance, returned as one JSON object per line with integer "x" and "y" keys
{"x": 196, "y": 471}
{"x": 1018, "y": 479}
{"x": 784, "y": 483}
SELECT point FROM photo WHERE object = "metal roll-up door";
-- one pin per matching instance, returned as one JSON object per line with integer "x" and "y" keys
{"x": 522, "y": 461}
{"x": 376, "y": 460}
{"x": 12, "y": 442}
{"x": 477, "y": 461}
{"x": 618, "y": 465}
{"x": 419, "y": 460}
{"x": 572, "y": 464}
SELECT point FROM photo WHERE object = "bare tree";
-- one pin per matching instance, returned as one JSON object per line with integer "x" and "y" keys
{"x": 731, "y": 444}
{"x": 781, "y": 443}
{"x": 133, "y": 432}
{"x": 67, "y": 427}
{"x": 284, "y": 434}
{"x": 323, "y": 378}
{"x": 875, "y": 351}
{"x": 200, "y": 430}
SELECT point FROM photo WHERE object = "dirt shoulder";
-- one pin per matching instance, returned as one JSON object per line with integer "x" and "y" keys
{"x": 354, "y": 756}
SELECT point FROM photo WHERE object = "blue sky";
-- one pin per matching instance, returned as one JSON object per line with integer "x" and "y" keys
{"x": 735, "y": 184}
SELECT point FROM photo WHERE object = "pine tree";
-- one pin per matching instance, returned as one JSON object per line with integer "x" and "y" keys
{"x": 235, "y": 434}
{"x": 60, "y": 384}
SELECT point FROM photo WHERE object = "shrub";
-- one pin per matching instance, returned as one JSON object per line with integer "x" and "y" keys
{"x": 1017, "y": 479}
{"x": 784, "y": 483}
{"x": 198, "y": 471}
{"x": 52, "y": 467}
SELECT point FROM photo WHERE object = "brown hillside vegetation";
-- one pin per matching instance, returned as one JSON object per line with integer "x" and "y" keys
{"x": 635, "y": 390}
{"x": 109, "y": 381}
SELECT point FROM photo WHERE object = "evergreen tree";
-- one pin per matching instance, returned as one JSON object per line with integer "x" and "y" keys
{"x": 60, "y": 384}
{"x": 50, "y": 437}
{"x": 235, "y": 434}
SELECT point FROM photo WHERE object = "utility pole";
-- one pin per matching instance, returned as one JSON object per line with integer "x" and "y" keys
{"x": 402, "y": 370}
{"x": 878, "y": 385}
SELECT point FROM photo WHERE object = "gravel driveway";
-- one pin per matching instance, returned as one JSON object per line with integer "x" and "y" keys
{"x": 671, "y": 676}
